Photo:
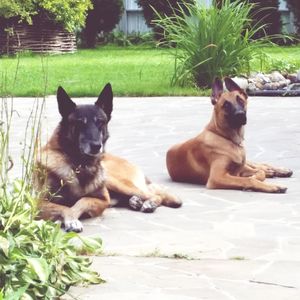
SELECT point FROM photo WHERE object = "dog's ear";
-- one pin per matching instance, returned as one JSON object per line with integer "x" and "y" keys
{"x": 65, "y": 104}
{"x": 105, "y": 100}
{"x": 217, "y": 90}
{"x": 231, "y": 85}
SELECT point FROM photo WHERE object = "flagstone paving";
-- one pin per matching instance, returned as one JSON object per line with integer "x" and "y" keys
{"x": 220, "y": 244}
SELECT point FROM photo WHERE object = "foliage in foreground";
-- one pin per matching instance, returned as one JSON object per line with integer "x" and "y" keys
{"x": 212, "y": 42}
{"x": 37, "y": 259}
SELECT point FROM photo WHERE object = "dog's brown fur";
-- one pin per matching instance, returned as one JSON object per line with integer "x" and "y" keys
{"x": 71, "y": 187}
{"x": 217, "y": 157}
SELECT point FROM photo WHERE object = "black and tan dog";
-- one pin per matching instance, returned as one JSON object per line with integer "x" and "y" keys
{"x": 76, "y": 177}
{"x": 216, "y": 157}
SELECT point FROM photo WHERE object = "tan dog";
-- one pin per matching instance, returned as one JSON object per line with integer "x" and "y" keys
{"x": 216, "y": 157}
{"x": 76, "y": 177}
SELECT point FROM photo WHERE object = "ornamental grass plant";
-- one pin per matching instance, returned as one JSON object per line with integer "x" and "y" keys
{"x": 211, "y": 41}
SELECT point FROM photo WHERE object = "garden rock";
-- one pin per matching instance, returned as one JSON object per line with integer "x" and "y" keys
{"x": 276, "y": 77}
{"x": 268, "y": 82}
{"x": 294, "y": 87}
{"x": 293, "y": 78}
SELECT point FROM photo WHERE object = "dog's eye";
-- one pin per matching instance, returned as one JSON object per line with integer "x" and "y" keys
{"x": 99, "y": 122}
{"x": 240, "y": 101}
{"x": 227, "y": 105}
{"x": 81, "y": 122}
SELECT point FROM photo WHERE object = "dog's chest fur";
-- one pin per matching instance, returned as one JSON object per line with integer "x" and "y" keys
{"x": 68, "y": 183}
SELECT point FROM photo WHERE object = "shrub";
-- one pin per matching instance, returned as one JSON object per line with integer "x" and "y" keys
{"x": 120, "y": 38}
{"x": 103, "y": 18}
{"x": 166, "y": 8}
{"x": 212, "y": 42}
{"x": 294, "y": 6}
{"x": 69, "y": 13}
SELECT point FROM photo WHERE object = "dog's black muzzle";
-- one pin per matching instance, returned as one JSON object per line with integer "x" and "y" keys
{"x": 95, "y": 148}
{"x": 91, "y": 149}
{"x": 237, "y": 119}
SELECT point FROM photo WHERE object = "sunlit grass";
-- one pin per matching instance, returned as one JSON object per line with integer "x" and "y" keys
{"x": 133, "y": 71}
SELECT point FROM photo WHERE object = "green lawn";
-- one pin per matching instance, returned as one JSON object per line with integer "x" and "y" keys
{"x": 133, "y": 71}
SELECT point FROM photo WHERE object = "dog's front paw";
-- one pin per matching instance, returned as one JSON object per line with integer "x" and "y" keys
{"x": 279, "y": 189}
{"x": 149, "y": 206}
{"x": 73, "y": 225}
{"x": 282, "y": 172}
{"x": 136, "y": 202}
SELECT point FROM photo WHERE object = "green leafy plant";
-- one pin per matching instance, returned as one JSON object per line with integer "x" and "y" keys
{"x": 37, "y": 259}
{"x": 69, "y": 13}
{"x": 12, "y": 8}
{"x": 119, "y": 38}
{"x": 212, "y": 41}
{"x": 280, "y": 65}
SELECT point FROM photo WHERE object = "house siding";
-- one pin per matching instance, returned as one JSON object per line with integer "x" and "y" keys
{"x": 133, "y": 20}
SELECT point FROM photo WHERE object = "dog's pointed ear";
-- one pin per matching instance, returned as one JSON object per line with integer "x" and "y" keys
{"x": 65, "y": 104}
{"x": 105, "y": 100}
{"x": 217, "y": 90}
{"x": 231, "y": 85}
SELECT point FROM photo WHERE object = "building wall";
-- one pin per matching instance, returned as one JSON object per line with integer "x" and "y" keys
{"x": 133, "y": 20}
{"x": 287, "y": 18}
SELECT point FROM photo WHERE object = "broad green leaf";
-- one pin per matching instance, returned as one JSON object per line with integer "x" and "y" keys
{"x": 4, "y": 245}
{"x": 40, "y": 267}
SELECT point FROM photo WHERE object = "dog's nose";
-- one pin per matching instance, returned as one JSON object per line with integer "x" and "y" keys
{"x": 240, "y": 117}
{"x": 95, "y": 148}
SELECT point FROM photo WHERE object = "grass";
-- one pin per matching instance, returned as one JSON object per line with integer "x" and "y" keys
{"x": 158, "y": 254}
{"x": 133, "y": 71}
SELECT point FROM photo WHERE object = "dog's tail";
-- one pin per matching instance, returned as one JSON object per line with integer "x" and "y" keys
{"x": 167, "y": 199}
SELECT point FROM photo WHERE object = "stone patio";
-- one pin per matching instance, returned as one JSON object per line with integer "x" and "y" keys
{"x": 220, "y": 244}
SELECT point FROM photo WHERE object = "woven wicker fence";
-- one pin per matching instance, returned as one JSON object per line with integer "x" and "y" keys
{"x": 41, "y": 37}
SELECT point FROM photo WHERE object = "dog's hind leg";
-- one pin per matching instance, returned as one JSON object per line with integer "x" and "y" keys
{"x": 145, "y": 197}
{"x": 137, "y": 196}
{"x": 161, "y": 196}
{"x": 127, "y": 179}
